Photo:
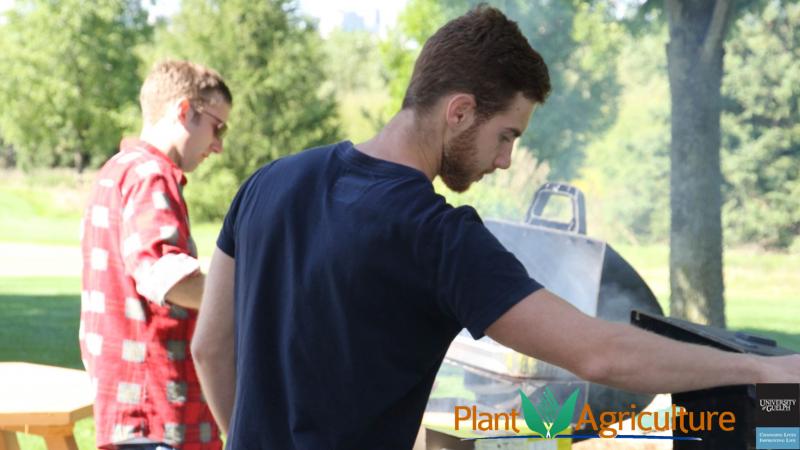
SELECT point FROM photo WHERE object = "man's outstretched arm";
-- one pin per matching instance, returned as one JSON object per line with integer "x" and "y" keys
{"x": 212, "y": 345}
{"x": 548, "y": 328}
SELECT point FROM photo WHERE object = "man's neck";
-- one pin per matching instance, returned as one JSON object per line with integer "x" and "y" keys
{"x": 407, "y": 141}
{"x": 158, "y": 139}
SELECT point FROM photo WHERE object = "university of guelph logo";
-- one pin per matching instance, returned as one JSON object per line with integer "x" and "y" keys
{"x": 778, "y": 416}
{"x": 777, "y": 405}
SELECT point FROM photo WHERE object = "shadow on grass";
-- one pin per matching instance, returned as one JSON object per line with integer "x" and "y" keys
{"x": 41, "y": 329}
{"x": 786, "y": 340}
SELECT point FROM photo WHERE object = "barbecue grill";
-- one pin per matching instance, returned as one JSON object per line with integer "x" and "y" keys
{"x": 585, "y": 271}
{"x": 740, "y": 400}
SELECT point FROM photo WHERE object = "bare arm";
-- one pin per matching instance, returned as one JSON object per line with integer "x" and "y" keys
{"x": 212, "y": 345}
{"x": 187, "y": 292}
{"x": 546, "y": 327}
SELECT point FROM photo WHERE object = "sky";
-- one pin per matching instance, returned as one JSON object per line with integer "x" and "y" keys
{"x": 329, "y": 12}
{"x": 4, "y": 5}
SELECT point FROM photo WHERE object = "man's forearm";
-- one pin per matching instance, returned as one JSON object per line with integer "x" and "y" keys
{"x": 547, "y": 328}
{"x": 213, "y": 341}
{"x": 641, "y": 361}
{"x": 187, "y": 292}
{"x": 217, "y": 373}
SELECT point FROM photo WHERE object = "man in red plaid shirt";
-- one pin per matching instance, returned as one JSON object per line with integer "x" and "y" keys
{"x": 142, "y": 283}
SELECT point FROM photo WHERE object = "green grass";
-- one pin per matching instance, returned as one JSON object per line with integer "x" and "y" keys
{"x": 39, "y": 320}
{"x": 762, "y": 294}
{"x": 205, "y": 236}
{"x": 29, "y": 215}
{"x": 39, "y": 324}
{"x": 450, "y": 384}
{"x": 42, "y": 207}
{"x": 84, "y": 436}
{"x": 46, "y": 209}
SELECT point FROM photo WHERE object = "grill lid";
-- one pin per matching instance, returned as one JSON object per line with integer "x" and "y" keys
{"x": 732, "y": 341}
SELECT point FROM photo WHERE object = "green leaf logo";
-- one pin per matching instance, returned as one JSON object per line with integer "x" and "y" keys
{"x": 548, "y": 418}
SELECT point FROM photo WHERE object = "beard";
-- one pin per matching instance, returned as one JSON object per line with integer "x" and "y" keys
{"x": 459, "y": 160}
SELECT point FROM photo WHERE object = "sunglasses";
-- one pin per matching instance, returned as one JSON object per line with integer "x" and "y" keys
{"x": 220, "y": 129}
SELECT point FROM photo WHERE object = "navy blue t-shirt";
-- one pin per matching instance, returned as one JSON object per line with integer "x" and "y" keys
{"x": 352, "y": 278}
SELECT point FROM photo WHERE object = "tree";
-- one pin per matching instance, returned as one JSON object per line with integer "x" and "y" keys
{"x": 759, "y": 123}
{"x": 357, "y": 77}
{"x": 626, "y": 173}
{"x": 697, "y": 30}
{"x": 761, "y": 127}
{"x": 415, "y": 24}
{"x": 270, "y": 56}
{"x": 69, "y": 78}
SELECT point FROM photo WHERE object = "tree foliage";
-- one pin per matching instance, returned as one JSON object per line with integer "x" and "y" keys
{"x": 357, "y": 77}
{"x": 627, "y": 168}
{"x": 271, "y": 57}
{"x": 69, "y": 78}
{"x": 761, "y": 126}
{"x": 626, "y": 174}
{"x": 353, "y": 60}
{"x": 399, "y": 50}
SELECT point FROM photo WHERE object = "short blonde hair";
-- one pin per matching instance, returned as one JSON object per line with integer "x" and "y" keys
{"x": 170, "y": 80}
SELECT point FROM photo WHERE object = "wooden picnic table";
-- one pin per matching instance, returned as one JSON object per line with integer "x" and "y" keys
{"x": 42, "y": 400}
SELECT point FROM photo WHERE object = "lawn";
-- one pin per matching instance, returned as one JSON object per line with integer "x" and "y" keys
{"x": 46, "y": 208}
{"x": 762, "y": 292}
{"x": 38, "y": 215}
{"x": 39, "y": 323}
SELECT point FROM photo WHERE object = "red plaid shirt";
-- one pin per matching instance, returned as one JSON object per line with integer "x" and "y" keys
{"x": 136, "y": 246}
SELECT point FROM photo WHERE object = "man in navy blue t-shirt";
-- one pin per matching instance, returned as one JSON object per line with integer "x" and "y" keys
{"x": 341, "y": 277}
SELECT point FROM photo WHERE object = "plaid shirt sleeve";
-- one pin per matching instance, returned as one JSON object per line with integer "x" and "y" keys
{"x": 157, "y": 249}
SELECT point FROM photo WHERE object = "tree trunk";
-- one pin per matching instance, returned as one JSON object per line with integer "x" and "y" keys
{"x": 694, "y": 60}
{"x": 79, "y": 161}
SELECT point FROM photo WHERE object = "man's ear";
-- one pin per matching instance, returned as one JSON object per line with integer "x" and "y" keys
{"x": 182, "y": 110}
{"x": 460, "y": 111}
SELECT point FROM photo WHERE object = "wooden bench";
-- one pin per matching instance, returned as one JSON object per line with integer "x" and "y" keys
{"x": 42, "y": 400}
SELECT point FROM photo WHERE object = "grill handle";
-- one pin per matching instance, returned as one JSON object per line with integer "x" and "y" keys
{"x": 749, "y": 340}
{"x": 542, "y": 196}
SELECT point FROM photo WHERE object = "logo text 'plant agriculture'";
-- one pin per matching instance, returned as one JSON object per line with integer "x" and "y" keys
{"x": 548, "y": 418}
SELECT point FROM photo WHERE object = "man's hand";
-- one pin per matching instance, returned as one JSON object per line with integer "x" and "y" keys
{"x": 781, "y": 369}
